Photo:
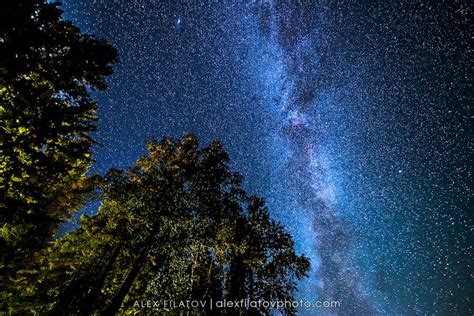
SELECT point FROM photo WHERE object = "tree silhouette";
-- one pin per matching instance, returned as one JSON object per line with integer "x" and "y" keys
{"x": 47, "y": 70}
{"x": 176, "y": 226}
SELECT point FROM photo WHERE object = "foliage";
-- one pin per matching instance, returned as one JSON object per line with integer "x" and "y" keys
{"x": 48, "y": 69}
{"x": 176, "y": 226}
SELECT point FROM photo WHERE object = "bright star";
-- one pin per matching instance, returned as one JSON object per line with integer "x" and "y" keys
{"x": 178, "y": 23}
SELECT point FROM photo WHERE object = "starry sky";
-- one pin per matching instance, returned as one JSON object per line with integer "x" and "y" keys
{"x": 351, "y": 118}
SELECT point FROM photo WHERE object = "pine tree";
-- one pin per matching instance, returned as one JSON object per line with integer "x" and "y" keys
{"x": 47, "y": 70}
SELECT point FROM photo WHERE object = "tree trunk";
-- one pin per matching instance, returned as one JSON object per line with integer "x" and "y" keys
{"x": 113, "y": 307}
{"x": 89, "y": 301}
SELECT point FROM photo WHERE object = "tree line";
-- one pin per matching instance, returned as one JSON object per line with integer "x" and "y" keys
{"x": 177, "y": 225}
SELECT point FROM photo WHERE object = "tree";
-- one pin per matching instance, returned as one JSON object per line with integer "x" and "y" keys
{"x": 176, "y": 226}
{"x": 48, "y": 69}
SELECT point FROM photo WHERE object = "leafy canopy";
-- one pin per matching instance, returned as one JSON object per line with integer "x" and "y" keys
{"x": 176, "y": 226}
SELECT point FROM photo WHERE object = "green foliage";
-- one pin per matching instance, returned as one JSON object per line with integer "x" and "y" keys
{"x": 47, "y": 71}
{"x": 176, "y": 226}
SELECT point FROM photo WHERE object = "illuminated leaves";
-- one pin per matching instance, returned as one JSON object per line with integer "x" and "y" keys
{"x": 47, "y": 70}
{"x": 185, "y": 228}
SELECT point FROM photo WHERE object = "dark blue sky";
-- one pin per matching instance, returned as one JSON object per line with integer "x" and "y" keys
{"x": 352, "y": 120}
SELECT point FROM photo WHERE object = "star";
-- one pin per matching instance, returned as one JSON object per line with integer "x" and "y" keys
{"x": 178, "y": 22}
{"x": 338, "y": 93}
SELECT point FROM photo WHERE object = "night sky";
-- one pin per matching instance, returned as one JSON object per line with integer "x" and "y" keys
{"x": 352, "y": 120}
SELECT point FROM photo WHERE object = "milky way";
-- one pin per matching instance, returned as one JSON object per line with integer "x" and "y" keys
{"x": 351, "y": 119}
{"x": 290, "y": 28}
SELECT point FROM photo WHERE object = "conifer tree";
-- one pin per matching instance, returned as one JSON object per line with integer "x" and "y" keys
{"x": 48, "y": 69}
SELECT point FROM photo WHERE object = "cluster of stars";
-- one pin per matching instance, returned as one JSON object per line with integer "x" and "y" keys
{"x": 351, "y": 119}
